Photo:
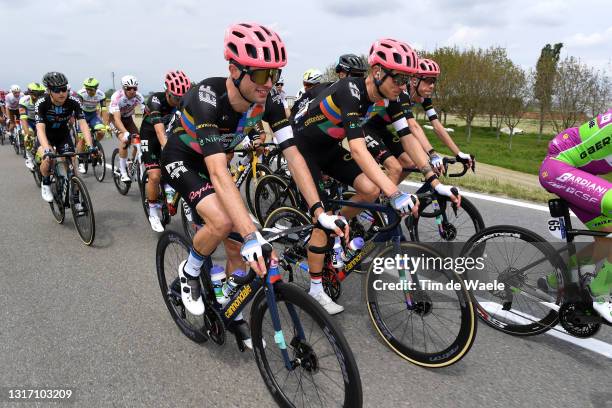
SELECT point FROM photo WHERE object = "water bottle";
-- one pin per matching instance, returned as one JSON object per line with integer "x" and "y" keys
{"x": 170, "y": 198}
{"x": 229, "y": 288}
{"x": 217, "y": 278}
{"x": 355, "y": 245}
{"x": 338, "y": 255}
{"x": 245, "y": 160}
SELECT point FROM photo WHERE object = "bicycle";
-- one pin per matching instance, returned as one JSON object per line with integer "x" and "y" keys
{"x": 448, "y": 223}
{"x": 522, "y": 308}
{"x": 135, "y": 166}
{"x": 70, "y": 191}
{"x": 98, "y": 163}
{"x": 306, "y": 358}
{"x": 16, "y": 139}
{"x": 394, "y": 314}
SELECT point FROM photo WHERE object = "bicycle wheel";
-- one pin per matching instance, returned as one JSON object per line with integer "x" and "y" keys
{"x": 83, "y": 217}
{"x": 250, "y": 184}
{"x": 172, "y": 249}
{"x": 430, "y": 324}
{"x": 36, "y": 174}
{"x": 457, "y": 227}
{"x": 99, "y": 163}
{"x": 272, "y": 192}
{"x": 57, "y": 205}
{"x": 16, "y": 142}
{"x": 324, "y": 371}
{"x": 517, "y": 258}
{"x": 293, "y": 247}
{"x": 122, "y": 187}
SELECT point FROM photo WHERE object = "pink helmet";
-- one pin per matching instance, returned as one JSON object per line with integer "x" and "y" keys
{"x": 253, "y": 45}
{"x": 428, "y": 68}
{"x": 177, "y": 83}
{"x": 392, "y": 54}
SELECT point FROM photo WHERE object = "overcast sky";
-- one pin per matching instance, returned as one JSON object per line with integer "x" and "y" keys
{"x": 146, "y": 38}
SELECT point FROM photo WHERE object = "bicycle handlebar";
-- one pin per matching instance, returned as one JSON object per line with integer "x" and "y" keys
{"x": 67, "y": 154}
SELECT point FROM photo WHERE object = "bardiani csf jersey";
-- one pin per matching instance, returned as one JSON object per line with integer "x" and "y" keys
{"x": 121, "y": 103}
{"x": 341, "y": 109}
{"x": 57, "y": 117}
{"x": 91, "y": 103}
{"x": 207, "y": 124}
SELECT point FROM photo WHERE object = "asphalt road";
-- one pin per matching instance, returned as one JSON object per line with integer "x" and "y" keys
{"x": 93, "y": 319}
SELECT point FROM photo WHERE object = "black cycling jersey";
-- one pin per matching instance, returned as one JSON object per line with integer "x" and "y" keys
{"x": 208, "y": 124}
{"x": 341, "y": 109}
{"x": 57, "y": 117}
{"x": 306, "y": 97}
{"x": 157, "y": 110}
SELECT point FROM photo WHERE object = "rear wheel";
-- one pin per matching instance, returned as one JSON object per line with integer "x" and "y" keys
{"x": 272, "y": 192}
{"x": 99, "y": 163}
{"x": 251, "y": 183}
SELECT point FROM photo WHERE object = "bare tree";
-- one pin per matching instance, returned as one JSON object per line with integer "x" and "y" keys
{"x": 572, "y": 89}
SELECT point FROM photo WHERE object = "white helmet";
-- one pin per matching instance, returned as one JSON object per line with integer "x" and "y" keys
{"x": 15, "y": 88}
{"x": 312, "y": 77}
{"x": 129, "y": 81}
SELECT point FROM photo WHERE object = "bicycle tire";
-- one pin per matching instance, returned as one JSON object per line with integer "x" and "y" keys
{"x": 57, "y": 205}
{"x": 474, "y": 247}
{"x": 99, "y": 163}
{"x": 249, "y": 189}
{"x": 16, "y": 143}
{"x": 86, "y": 229}
{"x": 288, "y": 295}
{"x": 277, "y": 188}
{"x": 168, "y": 278}
{"x": 473, "y": 224}
{"x": 122, "y": 187}
{"x": 37, "y": 176}
{"x": 426, "y": 304}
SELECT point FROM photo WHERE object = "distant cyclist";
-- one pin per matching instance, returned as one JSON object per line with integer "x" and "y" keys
{"x": 311, "y": 77}
{"x": 123, "y": 104}
{"x": 27, "y": 116}
{"x": 575, "y": 158}
{"x": 158, "y": 110}
{"x": 12, "y": 107}
{"x": 93, "y": 102}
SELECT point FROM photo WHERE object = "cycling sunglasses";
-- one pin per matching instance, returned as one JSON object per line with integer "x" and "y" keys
{"x": 261, "y": 75}
{"x": 398, "y": 78}
{"x": 131, "y": 88}
{"x": 58, "y": 89}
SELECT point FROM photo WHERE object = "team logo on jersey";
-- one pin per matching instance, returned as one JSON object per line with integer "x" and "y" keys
{"x": 596, "y": 147}
{"x": 155, "y": 99}
{"x": 354, "y": 90}
{"x": 207, "y": 95}
{"x": 544, "y": 174}
{"x": 566, "y": 136}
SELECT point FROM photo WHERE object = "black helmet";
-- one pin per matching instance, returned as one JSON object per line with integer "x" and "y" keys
{"x": 55, "y": 80}
{"x": 351, "y": 64}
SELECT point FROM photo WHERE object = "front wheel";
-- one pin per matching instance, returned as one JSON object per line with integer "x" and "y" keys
{"x": 531, "y": 272}
{"x": 427, "y": 316}
{"x": 82, "y": 211}
{"x": 450, "y": 226}
{"x": 323, "y": 369}
{"x": 272, "y": 192}
{"x": 99, "y": 163}
{"x": 57, "y": 205}
{"x": 122, "y": 187}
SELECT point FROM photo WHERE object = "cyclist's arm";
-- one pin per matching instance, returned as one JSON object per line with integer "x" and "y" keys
{"x": 154, "y": 107}
{"x": 79, "y": 116}
{"x": 23, "y": 117}
{"x": 160, "y": 131}
{"x": 419, "y": 134}
{"x": 444, "y": 136}
{"x": 118, "y": 123}
{"x": 370, "y": 167}
{"x": 41, "y": 133}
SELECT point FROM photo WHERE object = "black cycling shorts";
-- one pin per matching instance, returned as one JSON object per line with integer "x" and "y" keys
{"x": 185, "y": 171}
{"x": 391, "y": 142}
{"x": 332, "y": 159}
{"x": 150, "y": 146}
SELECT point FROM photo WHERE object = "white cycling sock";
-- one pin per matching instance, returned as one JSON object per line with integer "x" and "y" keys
{"x": 316, "y": 286}
{"x": 123, "y": 165}
{"x": 194, "y": 263}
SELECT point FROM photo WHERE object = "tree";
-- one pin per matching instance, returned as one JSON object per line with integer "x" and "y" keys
{"x": 109, "y": 93}
{"x": 572, "y": 89}
{"x": 470, "y": 93}
{"x": 545, "y": 75}
{"x": 514, "y": 96}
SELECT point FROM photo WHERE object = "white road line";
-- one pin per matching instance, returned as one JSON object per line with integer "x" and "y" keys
{"x": 594, "y": 345}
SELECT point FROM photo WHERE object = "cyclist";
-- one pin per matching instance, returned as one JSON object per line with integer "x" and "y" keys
{"x": 12, "y": 108}
{"x": 338, "y": 112}
{"x": 158, "y": 110}
{"x": 53, "y": 113}
{"x": 93, "y": 102}
{"x": 575, "y": 157}
{"x": 215, "y": 115}
{"x": 421, "y": 90}
{"x": 3, "y": 114}
{"x": 122, "y": 106}
{"x": 311, "y": 78}
{"x": 278, "y": 90}
{"x": 350, "y": 65}
{"x": 27, "y": 117}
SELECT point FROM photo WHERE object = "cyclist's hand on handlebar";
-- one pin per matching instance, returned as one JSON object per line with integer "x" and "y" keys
{"x": 92, "y": 149}
{"x": 449, "y": 191}
{"x": 335, "y": 223}
{"x": 125, "y": 137}
{"x": 466, "y": 158}
{"x": 252, "y": 252}
{"x": 47, "y": 152}
{"x": 405, "y": 203}
{"x": 437, "y": 163}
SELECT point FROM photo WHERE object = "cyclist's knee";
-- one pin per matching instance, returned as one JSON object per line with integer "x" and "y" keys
{"x": 367, "y": 189}
{"x": 394, "y": 169}
{"x": 154, "y": 175}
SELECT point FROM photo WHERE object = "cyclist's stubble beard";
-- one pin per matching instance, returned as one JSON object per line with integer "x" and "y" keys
{"x": 59, "y": 99}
